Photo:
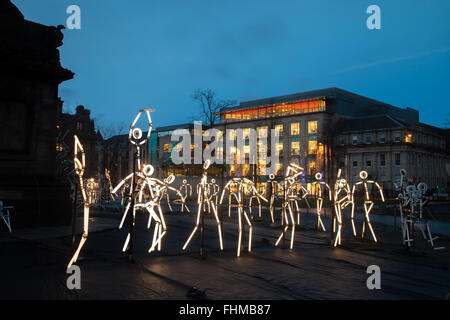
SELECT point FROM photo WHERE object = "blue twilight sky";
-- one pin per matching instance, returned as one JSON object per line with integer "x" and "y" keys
{"x": 135, "y": 53}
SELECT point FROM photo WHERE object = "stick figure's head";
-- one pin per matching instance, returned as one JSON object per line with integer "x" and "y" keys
{"x": 170, "y": 179}
{"x": 342, "y": 183}
{"x": 403, "y": 172}
{"x": 422, "y": 187}
{"x": 271, "y": 176}
{"x": 136, "y": 135}
{"x": 184, "y": 181}
{"x": 363, "y": 175}
{"x": 318, "y": 176}
{"x": 148, "y": 170}
{"x": 213, "y": 180}
{"x": 206, "y": 164}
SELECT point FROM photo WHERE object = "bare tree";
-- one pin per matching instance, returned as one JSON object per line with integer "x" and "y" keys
{"x": 109, "y": 130}
{"x": 210, "y": 105}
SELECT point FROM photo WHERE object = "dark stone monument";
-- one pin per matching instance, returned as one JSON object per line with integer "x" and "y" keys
{"x": 31, "y": 74}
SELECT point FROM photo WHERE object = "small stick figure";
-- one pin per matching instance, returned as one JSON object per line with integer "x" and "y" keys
{"x": 341, "y": 199}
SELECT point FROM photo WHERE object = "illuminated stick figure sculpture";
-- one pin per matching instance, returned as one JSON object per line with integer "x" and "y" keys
{"x": 342, "y": 197}
{"x": 232, "y": 187}
{"x": 80, "y": 165}
{"x": 321, "y": 187}
{"x": 136, "y": 138}
{"x": 255, "y": 196}
{"x": 155, "y": 191}
{"x": 186, "y": 191}
{"x": 293, "y": 172}
{"x": 215, "y": 189}
{"x": 204, "y": 199}
{"x": 368, "y": 203}
{"x": 243, "y": 186}
{"x": 413, "y": 199}
{"x": 298, "y": 193}
{"x": 277, "y": 193}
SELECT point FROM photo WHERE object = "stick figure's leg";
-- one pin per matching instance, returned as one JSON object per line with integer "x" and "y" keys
{"x": 83, "y": 237}
{"x": 319, "y": 209}
{"x": 250, "y": 231}
{"x": 298, "y": 212}
{"x": 219, "y": 227}
{"x": 293, "y": 226}
{"x": 240, "y": 231}
{"x": 352, "y": 219}
{"x": 125, "y": 213}
{"x": 200, "y": 207}
{"x": 368, "y": 220}
{"x": 229, "y": 205}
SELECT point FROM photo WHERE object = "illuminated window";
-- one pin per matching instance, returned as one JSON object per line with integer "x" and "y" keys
{"x": 279, "y": 148}
{"x": 295, "y": 128}
{"x": 166, "y": 147}
{"x": 246, "y": 133}
{"x": 261, "y": 132}
{"x": 79, "y": 126}
{"x": 59, "y": 146}
{"x": 295, "y": 147}
{"x": 278, "y": 129}
{"x": 312, "y": 167}
{"x": 408, "y": 138}
{"x": 312, "y": 146}
{"x": 312, "y": 126}
{"x": 232, "y": 134}
{"x": 279, "y": 169}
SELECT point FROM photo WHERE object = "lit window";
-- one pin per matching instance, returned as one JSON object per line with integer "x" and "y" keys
{"x": 279, "y": 129}
{"x": 59, "y": 146}
{"x": 295, "y": 128}
{"x": 279, "y": 169}
{"x": 279, "y": 148}
{"x": 262, "y": 132}
{"x": 246, "y": 133}
{"x": 408, "y": 138}
{"x": 166, "y": 147}
{"x": 232, "y": 134}
{"x": 79, "y": 126}
{"x": 312, "y": 146}
{"x": 312, "y": 167}
{"x": 295, "y": 147}
{"x": 312, "y": 126}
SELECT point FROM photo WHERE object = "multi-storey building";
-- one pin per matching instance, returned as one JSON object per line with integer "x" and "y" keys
{"x": 326, "y": 129}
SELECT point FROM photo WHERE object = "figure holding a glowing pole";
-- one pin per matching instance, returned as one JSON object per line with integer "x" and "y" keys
{"x": 205, "y": 198}
{"x": 185, "y": 190}
{"x": 368, "y": 203}
{"x": 80, "y": 166}
{"x": 136, "y": 138}
{"x": 243, "y": 185}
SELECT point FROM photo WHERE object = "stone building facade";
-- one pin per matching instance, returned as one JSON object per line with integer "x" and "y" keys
{"x": 31, "y": 74}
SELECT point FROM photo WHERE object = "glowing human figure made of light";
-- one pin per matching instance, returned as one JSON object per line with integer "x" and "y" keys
{"x": 242, "y": 185}
{"x": 368, "y": 203}
{"x": 214, "y": 189}
{"x": 155, "y": 189}
{"x": 321, "y": 187}
{"x": 342, "y": 197}
{"x": 255, "y": 196}
{"x": 297, "y": 196}
{"x": 293, "y": 172}
{"x": 277, "y": 193}
{"x": 80, "y": 165}
{"x": 186, "y": 191}
{"x": 204, "y": 198}
{"x": 232, "y": 187}
{"x": 136, "y": 138}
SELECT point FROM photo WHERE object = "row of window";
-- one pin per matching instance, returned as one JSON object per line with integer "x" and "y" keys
{"x": 381, "y": 138}
{"x": 368, "y": 160}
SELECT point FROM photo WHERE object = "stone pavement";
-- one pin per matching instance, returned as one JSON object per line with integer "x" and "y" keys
{"x": 33, "y": 264}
